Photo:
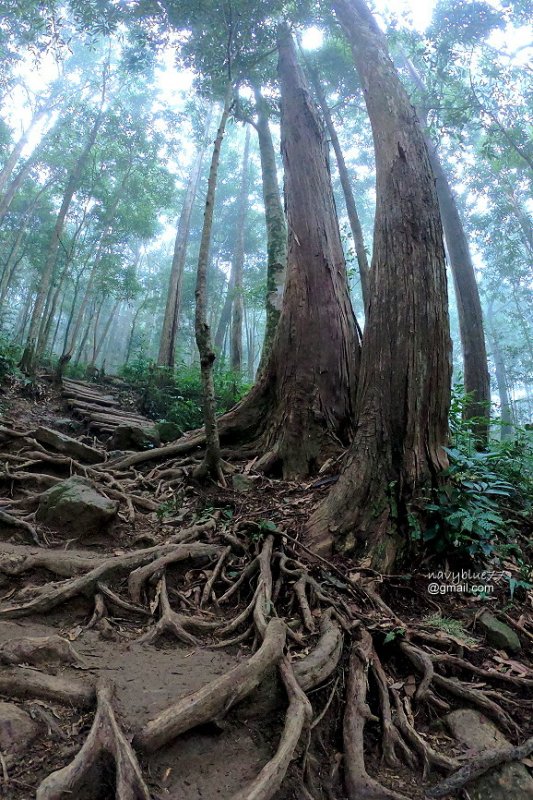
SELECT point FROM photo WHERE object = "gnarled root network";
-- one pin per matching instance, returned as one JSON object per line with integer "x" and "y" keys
{"x": 105, "y": 737}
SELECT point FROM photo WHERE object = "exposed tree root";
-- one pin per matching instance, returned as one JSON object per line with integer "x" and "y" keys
{"x": 214, "y": 700}
{"x": 324, "y": 658}
{"x": 476, "y": 697}
{"x": 298, "y": 717}
{"x": 38, "y": 650}
{"x": 234, "y": 588}
{"x": 53, "y": 594}
{"x": 173, "y": 623}
{"x": 27, "y": 682}
{"x": 16, "y": 522}
{"x": 359, "y": 784}
{"x": 178, "y": 553}
{"x": 479, "y": 765}
{"x": 17, "y": 559}
{"x": 392, "y": 742}
{"x": 105, "y": 737}
{"x": 427, "y": 755}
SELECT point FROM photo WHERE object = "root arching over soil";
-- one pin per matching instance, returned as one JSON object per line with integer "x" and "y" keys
{"x": 348, "y": 684}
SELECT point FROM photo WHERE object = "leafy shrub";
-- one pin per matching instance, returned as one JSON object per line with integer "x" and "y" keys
{"x": 10, "y": 355}
{"x": 175, "y": 395}
{"x": 485, "y": 498}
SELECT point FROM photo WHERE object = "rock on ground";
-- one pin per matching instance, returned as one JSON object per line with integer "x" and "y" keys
{"x": 76, "y": 505}
{"x": 134, "y": 437}
{"x": 68, "y": 446}
{"x": 498, "y": 634}
{"x": 17, "y": 729}
{"x": 509, "y": 782}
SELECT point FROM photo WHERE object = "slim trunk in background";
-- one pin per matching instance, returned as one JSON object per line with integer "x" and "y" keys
{"x": 28, "y": 361}
{"x": 58, "y": 322}
{"x": 11, "y": 264}
{"x": 169, "y": 332}
{"x": 49, "y": 313}
{"x": 14, "y": 156}
{"x": 225, "y": 315}
{"x": 397, "y": 454}
{"x": 523, "y": 324}
{"x": 83, "y": 340}
{"x": 103, "y": 335}
{"x": 25, "y": 313}
{"x": 475, "y": 368}
{"x": 501, "y": 378}
{"x": 238, "y": 260}
{"x": 212, "y": 463}
{"x": 133, "y": 331}
{"x": 14, "y": 186}
{"x": 351, "y": 208}
{"x": 111, "y": 338}
{"x": 276, "y": 226}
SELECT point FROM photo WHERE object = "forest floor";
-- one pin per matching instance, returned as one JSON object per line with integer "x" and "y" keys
{"x": 177, "y": 593}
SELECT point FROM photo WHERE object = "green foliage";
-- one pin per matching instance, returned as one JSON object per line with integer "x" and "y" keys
{"x": 9, "y": 357}
{"x": 395, "y": 633}
{"x": 450, "y": 626}
{"x": 485, "y": 497}
{"x": 176, "y": 395}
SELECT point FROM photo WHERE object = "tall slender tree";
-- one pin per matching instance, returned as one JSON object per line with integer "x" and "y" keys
{"x": 238, "y": 260}
{"x": 167, "y": 344}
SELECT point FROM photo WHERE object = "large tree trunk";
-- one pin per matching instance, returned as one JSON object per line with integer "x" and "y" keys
{"x": 303, "y": 403}
{"x": 167, "y": 344}
{"x": 28, "y": 361}
{"x": 475, "y": 368}
{"x": 404, "y": 387}
{"x": 238, "y": 261}
{"x": 351, "y": 208}
{"x": 212, "y": 464}
{"x": 276, "y": 226}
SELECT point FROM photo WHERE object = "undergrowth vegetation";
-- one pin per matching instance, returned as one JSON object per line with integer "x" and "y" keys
{"x": 484, "y": 505}
{"x": 175, "y": 395}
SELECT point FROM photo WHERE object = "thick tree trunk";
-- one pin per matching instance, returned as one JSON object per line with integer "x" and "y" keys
{"x": 404, "y": 388}
{"x": 28, "y": 361}
{"x": 303, "y": 403}
{"x": 501, "y": 378}
{"x": 238, "y": 261}
{"x": 471, "y": 329}
{"x": 276, "y": 226}
{"x": 351, "y": 208}
{"x": 167, "y": 344}
{"x": 212, "y": 464}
